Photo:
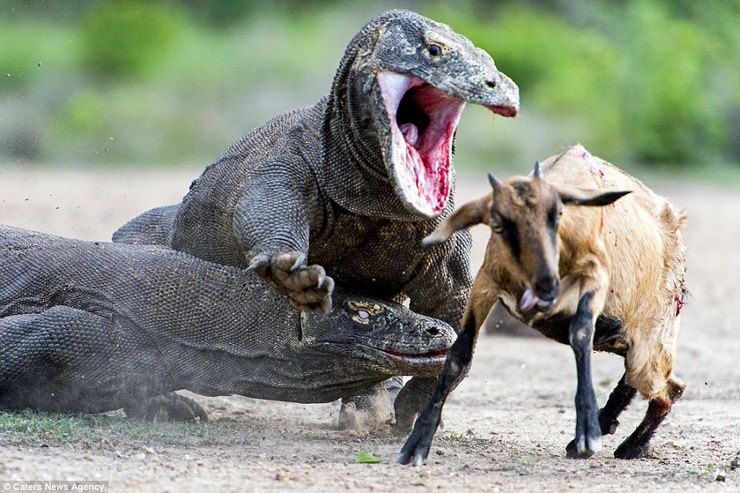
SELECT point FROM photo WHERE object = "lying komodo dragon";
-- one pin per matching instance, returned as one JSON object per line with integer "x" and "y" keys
{"x": 93, "y": 327}
{"x": 351, "y": 183}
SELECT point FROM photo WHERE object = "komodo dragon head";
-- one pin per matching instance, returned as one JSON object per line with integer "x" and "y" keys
{"x": 405, "y": 80}
{"x": 374, "y": 336}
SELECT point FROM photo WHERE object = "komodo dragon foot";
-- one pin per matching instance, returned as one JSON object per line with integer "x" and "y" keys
{"x": 307, "y": 286}
{"x": 167, "y": 407}
{"x": 374, "y": 403}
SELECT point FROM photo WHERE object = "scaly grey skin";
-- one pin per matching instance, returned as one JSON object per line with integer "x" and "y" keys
{"x": 353, "y": 183}
{"x": 92, "y": 327}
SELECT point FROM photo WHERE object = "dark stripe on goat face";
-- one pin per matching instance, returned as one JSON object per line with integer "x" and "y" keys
{"x": 553, "y": 219}
{"x": 511, "y": 235}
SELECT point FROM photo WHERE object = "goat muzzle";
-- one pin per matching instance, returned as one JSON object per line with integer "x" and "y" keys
{"x": 530, "y": 302}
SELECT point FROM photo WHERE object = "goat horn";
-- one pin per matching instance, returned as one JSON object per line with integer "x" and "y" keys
{"x": 537, "y": 170}
{"x": 495, "y": 182}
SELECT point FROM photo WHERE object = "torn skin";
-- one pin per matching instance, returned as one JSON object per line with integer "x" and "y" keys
{"x": 422, "y": 121}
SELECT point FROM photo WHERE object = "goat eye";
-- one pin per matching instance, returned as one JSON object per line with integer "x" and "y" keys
{"x": 434, "y": 50}
{"x": 497, "y": 229}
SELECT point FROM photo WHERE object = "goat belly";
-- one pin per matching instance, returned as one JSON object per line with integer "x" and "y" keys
{"x": 608, "y": 335}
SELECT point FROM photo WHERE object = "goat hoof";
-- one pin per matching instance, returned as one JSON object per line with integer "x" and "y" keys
{"x": 608, "y": 426}
{"x": 628, "y": 451}
{"x": 583, "y": 448}
{"x": 572, "y": 453}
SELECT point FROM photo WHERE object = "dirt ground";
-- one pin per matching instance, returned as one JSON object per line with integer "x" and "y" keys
{"x": 505, "y": 427}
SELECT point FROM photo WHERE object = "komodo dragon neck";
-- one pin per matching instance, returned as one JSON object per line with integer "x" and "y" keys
{"x": 393, "y": 109}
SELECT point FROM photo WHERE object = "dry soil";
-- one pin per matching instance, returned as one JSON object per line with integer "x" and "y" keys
{"x": 505, "y": 427}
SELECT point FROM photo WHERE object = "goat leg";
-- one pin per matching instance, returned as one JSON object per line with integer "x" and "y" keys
{"x": 588, "y": 430}
{"x": 456, "y": 366}
{"x": 618, "y": 401}
{"x": 636, "y": 445}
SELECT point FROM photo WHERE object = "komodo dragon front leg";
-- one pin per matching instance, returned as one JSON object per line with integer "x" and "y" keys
{"x": 277, "y": 241}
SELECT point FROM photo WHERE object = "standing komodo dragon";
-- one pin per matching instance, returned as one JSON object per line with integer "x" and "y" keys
{"x": 93, "y": 327}
{"x": 352, "y": 183}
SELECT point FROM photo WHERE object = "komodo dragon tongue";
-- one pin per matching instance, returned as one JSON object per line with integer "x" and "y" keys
{"x": 425, "y": 74}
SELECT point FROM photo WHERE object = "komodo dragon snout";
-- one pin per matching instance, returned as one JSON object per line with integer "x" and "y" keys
{"x": 422, "y": 75}
{"x": 382, "y": 335}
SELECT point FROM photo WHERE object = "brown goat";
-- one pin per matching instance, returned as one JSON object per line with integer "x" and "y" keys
{"x": 609, "y": 278}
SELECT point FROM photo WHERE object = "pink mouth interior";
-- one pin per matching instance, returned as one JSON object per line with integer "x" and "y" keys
{"x": 423, "y": 120}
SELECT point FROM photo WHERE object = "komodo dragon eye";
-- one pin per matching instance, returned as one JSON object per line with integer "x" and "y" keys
{"x": 434, "y": 49}
{"x": 363, "y": 312}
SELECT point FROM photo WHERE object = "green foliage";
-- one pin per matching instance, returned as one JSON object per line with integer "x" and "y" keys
{"x": 83, "y": 113}
{"x": 640, "y": 76}
{"x": 667, "y": 86}
{"x": 17, "y": 49}
{"x": 124, "y": 38}
{"x": 559, "y": 68}
{"x": 48, "y": 427}
{"x": 28, "y": 426}
{"x": 367, "y": 458}
{"x": 98, "y": 81}
{"x": 28, "y": 50}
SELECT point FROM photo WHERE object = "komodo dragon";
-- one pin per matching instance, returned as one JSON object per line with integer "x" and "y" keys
{"x": 352, "y": 183}
{"x": 93, "y": 327}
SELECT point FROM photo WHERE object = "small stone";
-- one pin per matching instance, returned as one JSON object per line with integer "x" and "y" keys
{"x": 721, "y": 476}
{"x": 735, "y": 463}
{"x": 279, "y": 476}
{"x": 440, "y": 452}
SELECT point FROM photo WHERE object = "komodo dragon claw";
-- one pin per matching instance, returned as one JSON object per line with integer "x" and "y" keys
{"x": 259, "y": 264}
{"x": 319, "y": 272}
{"x": 300, "y": 260}
{"x": 307, "y": 286}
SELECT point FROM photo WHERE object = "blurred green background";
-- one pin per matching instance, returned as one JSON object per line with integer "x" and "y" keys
{"x": 132, "y": 82}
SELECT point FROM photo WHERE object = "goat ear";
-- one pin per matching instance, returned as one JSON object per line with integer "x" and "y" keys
{"x": 470, "y": 214}
{"x": 588, "y": 196}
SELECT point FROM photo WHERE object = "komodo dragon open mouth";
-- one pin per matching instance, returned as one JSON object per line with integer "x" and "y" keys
{"x": 423, "y": 120}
